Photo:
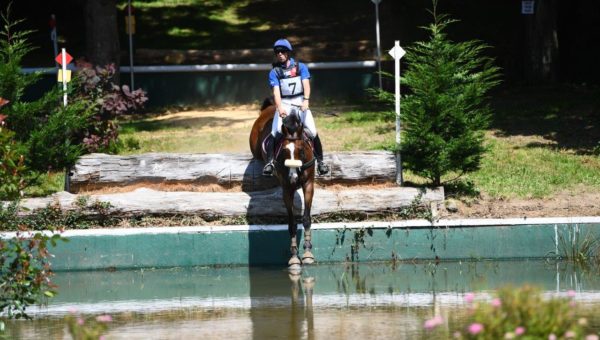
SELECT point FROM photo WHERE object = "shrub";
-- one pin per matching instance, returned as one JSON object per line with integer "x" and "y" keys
{"x": 25, "y": 273}
{"x": 524, "y": 313}
{"x": 95, "y": 86}
{"x": 90, "y": 328}
{"x": 444, "y": 116}
{"x": 50, "y": 135}
{"x": 12, "y": 166}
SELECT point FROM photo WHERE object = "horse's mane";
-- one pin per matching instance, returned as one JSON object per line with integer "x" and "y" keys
{"x": 292, "y": 121}
{"x": 267, "y": 102}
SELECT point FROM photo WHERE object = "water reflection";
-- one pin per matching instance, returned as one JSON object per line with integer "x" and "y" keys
{"x": 341, "y": 300}
{"x": 280, "y": 304}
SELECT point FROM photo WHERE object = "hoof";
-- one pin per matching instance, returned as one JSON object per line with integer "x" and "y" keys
{"x": 294, "y": 260}
{"x": 309, "y": 282}
{"x": 308, "y": 258}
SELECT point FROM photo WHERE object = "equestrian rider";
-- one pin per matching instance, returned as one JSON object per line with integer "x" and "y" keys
{"x": 290, "y": 81}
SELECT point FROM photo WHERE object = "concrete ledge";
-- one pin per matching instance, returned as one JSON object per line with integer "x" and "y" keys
{"x": 333, "y": 242}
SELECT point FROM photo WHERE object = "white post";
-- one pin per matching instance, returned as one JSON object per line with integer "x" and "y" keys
{"x": 64, "y": 82}
{"x": 397, "y": 53}
{"x": 64, "y": 75}
{"x": 376, "y": 2}
{"x": 130, "y": 24}
{"x": 398, "y": 126}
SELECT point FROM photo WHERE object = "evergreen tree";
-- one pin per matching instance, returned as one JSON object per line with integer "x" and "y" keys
{"x": 444, "y": 116}
{"x": 47, "y": 134}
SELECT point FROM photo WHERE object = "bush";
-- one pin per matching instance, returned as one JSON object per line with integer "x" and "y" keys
{"x": 110, "y": 101}
{"x": 524, "y": 313}
{"x": 444, "y": 116}
{"x": 12, "y": 166}
{"x": 25, "y": 273}
{"x": 90, "y": 328}
{"x": 50, "y": 135}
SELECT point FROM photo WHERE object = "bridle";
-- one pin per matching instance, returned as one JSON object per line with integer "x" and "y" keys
{"x": 305, "y": 140}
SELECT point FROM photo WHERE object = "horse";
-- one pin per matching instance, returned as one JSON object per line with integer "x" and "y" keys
{"x": 294, "y": 168}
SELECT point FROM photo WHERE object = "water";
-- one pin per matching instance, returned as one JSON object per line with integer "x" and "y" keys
{"x": 381, "y": 300}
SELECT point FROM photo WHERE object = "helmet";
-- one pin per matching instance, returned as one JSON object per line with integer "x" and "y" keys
{"x": 283, "y": 43}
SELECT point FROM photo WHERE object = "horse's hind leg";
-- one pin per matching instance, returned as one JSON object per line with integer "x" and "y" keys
{"x": 288, "y": 198}
{"x": 307, "y": 257}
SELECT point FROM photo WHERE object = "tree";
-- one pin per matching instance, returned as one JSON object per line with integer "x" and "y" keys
{"x": 445, "y": 115}
{"x": 542, "y": 43}
{"x": 101, "y": 34}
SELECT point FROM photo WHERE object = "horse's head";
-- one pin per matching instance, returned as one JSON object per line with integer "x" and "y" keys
{"x": 292, "y": 123}
{"x": 296, "y": 153}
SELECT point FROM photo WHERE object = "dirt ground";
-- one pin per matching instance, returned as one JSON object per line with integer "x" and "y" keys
{"x": 571, "y": 203}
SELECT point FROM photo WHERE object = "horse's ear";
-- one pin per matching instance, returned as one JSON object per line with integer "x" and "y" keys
{"x": 267, "y": 102}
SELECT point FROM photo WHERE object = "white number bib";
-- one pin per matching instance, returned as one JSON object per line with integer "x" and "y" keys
{"x": 290, "y": 87}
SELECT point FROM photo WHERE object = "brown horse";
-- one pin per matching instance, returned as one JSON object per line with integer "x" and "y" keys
{"x": 294, "y": 168}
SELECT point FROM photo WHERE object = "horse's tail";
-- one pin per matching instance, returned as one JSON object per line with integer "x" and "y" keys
{"x": 267, "y": 102}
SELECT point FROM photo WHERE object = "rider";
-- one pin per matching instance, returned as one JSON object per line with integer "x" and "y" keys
{"x": 290, "y": 81}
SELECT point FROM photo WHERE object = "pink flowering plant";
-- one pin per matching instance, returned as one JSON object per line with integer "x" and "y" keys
{"x": 522, "y": 313}
{"x": 88, "y": 328}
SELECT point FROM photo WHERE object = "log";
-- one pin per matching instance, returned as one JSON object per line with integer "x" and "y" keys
{"x": 267, "y": 203}
{"x": 96, "y": 171}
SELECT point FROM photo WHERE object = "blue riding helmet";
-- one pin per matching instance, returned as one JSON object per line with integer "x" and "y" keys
{"x": 283, "y": 43}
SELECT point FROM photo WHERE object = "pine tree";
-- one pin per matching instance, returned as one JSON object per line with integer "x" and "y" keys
{"x": 445, "y": 115}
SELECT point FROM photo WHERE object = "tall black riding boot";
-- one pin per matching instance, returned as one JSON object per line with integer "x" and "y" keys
{"x": 270, "y": 166}
{"x": 322, "y": 168}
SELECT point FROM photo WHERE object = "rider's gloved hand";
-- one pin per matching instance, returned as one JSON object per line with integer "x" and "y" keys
{"x": 304, "y": 106}
{"x": 282, "y": 112}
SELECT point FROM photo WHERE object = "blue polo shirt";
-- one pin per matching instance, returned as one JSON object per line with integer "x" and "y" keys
{"x": 304, "y": 73}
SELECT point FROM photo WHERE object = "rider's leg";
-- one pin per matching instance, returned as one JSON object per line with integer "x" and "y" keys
{"x": 276, "y": 134}
{"x": 309, "y": 123}
{"x": 322, "y": 168}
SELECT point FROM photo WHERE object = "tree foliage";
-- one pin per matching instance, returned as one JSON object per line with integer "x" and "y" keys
{"x": 50, "y": 135}
{"x": 445, "y": 115}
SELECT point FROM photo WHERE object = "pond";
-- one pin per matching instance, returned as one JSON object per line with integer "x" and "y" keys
{"x": 374, "y": 300}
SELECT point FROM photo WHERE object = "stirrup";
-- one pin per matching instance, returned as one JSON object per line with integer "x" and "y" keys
{"x": 322, "y": 168}
{"x": 268, "y": 169}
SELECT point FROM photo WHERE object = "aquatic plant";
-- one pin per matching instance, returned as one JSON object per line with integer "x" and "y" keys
{"x": 575, "y": 246}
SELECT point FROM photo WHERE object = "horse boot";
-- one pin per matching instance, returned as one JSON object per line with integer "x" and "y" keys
{"x": 322, "y": 168}
{"x": 270, "y": 166}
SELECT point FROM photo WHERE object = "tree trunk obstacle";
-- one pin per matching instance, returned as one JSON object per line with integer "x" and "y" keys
{"x": 265, "y": 203}
{"x": 259, "y": 197}
{"x": 97, "y": 171}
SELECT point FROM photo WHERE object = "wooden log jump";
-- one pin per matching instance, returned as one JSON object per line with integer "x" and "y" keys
{"x": 267, "y": 203}
{"x": 96, "y": 171}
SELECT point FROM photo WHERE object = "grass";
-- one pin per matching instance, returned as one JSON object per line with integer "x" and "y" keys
{"x": 514, "y": 169}
{"x": 540, "y": 143}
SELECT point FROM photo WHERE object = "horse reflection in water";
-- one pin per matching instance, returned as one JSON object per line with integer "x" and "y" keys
{"x": 281, "y": 304}
{"x": 294, "y": 168}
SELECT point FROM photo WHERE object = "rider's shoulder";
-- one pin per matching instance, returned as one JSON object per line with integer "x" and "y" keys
{"x": 302, "y": 65}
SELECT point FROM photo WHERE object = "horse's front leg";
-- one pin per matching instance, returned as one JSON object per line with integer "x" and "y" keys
{"x": 288, "y": 198}
{"x": 308, "y": 190}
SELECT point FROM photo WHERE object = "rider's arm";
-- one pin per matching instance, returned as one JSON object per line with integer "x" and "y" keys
{"x": 306, "y": 88}
{"x": 277, "y": 97}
